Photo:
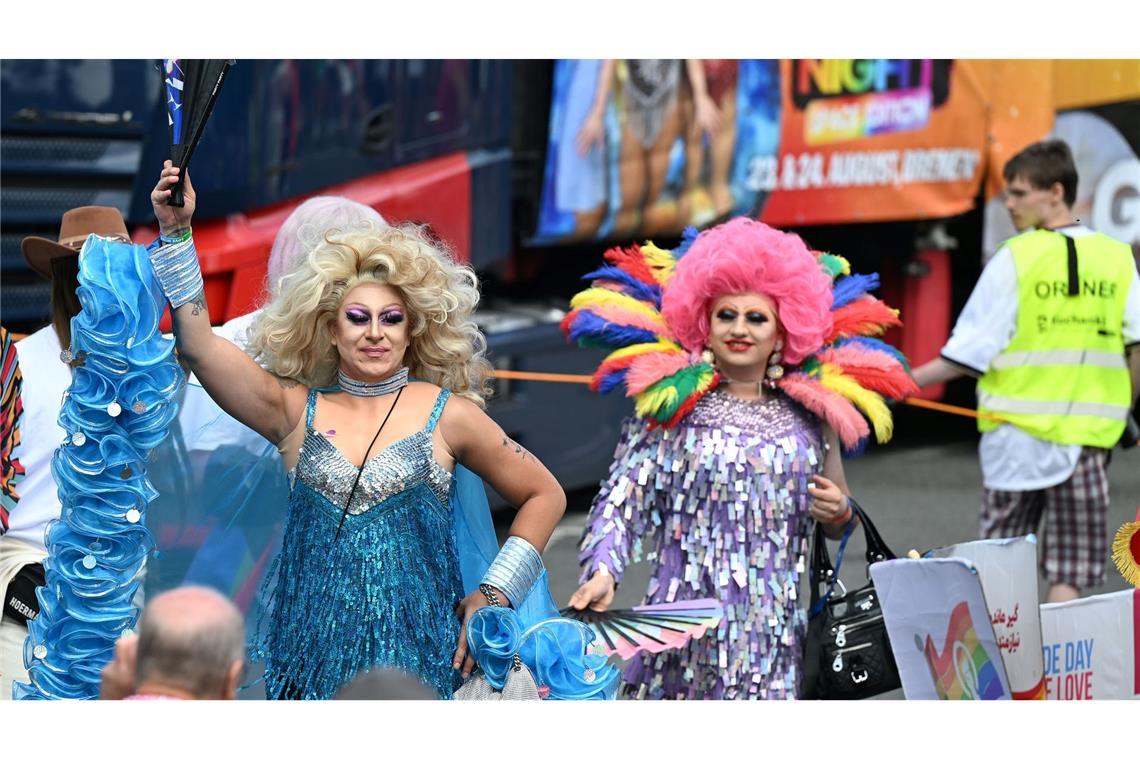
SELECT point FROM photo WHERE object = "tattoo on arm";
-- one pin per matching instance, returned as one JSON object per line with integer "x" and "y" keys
{"x": 199, "y": 304}
{"x": 518, "y": 449}
{"x": 287, "y": 382}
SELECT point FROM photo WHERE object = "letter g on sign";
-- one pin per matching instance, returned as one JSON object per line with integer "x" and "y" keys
{"x": 1116, "y": 202}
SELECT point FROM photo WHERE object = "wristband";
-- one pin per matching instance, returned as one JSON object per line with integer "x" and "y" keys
{"x": 180, "y": 235}
{"x": 845, "y": 515}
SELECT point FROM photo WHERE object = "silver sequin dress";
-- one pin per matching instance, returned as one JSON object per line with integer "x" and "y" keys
{"x": 383, "y": 592}
{"x": 719, "y": 503}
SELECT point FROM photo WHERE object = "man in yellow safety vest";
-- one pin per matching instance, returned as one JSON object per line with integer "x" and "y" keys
{"x": 1049, "y": 331}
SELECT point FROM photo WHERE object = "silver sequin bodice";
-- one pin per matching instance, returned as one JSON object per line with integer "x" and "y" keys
{"x": 374, "y": 588}
{"x": 402, "y": 463}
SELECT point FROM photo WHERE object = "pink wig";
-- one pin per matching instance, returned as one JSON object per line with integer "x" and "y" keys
{"x": 746, "y": 256}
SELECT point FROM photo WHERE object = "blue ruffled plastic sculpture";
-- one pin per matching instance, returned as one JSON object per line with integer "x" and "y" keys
{"x": 119, "y": 406}
{"x": 555, "y": 649}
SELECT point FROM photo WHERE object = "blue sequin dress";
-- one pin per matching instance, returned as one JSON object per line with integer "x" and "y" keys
{"x": 383, "y": 594}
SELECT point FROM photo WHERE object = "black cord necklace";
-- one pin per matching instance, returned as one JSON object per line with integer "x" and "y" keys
{"x": 363, "y": 462}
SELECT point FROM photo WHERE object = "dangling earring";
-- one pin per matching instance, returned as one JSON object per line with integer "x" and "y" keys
{"x": 708, "y": 357}
{"x": 775, "y": 370}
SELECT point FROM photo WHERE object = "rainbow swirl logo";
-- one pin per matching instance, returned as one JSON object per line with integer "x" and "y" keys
{"x": 963, "y": 669}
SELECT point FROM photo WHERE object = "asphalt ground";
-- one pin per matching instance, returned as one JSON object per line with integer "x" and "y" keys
{"x": 923, "y": 490}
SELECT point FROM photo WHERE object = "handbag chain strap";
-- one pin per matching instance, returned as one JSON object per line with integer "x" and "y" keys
{"x": 493, "y": 600}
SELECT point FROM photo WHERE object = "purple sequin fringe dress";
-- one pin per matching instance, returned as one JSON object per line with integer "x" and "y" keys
{"x": 720, "y": 504}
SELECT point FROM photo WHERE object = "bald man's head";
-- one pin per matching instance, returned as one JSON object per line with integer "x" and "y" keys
{"x": 191, "y": 638}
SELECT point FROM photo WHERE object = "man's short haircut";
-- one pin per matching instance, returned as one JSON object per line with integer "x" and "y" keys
{"x": 1042, "y": 164}
{"x": 193, "y": 655}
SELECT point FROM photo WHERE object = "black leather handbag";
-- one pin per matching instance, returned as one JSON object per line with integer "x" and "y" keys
{"x": 847, "y": 654}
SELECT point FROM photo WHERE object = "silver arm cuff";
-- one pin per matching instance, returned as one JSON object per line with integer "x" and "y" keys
{"x": 179, "y": 275}
{"x": 515, "y": 570}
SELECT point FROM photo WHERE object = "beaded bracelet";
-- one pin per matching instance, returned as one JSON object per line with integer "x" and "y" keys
{"x": 515, "y": 570}
{"x": 176, "y": 267}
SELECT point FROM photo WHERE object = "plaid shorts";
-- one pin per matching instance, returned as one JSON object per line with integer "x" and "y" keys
{"x": 1075, "y": 540}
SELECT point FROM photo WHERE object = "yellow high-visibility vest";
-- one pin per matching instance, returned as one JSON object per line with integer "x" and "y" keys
{"x": 1064, "y": 377}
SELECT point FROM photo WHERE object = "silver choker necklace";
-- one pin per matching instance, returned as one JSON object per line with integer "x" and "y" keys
{"x": 382, "y": 388}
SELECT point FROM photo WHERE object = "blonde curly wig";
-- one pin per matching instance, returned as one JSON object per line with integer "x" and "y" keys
{"x": 292, "y": 337}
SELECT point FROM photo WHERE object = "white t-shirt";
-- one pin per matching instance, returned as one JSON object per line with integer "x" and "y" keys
{"x": 1013, "y": 460}
{"x": 45, "y": 380}
{"x": 236, "y": 331}
{"x": 205, "y": 426}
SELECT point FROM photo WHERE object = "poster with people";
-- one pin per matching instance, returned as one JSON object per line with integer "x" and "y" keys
{"x": 939, "y": 627}
{"x": 1092, "y": 647}
{"x": 639, "y": 148}
{"x": 1007, "y": 569}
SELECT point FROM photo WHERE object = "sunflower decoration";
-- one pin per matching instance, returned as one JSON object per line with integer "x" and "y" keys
{"x": 1126, "y": 551}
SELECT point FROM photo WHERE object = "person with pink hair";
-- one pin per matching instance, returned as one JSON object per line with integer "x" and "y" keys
{"x": 741, "y": 456}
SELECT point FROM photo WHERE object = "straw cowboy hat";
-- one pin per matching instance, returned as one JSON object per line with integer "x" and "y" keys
{"x": 74, "y": 227}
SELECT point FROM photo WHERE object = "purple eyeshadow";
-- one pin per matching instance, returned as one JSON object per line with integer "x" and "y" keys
{"x": 393, "y": 317}
{"x": 356, "y": 316}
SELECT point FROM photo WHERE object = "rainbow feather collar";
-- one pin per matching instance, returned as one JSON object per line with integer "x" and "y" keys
{"x": 844, "y": 383}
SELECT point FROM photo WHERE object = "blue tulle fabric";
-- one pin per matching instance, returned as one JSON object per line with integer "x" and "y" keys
{"x": 219, "y": 515}
{"x": 556, "y": 650}
{"x": 495, "y": 637}
{"x": 119, "y": 406}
